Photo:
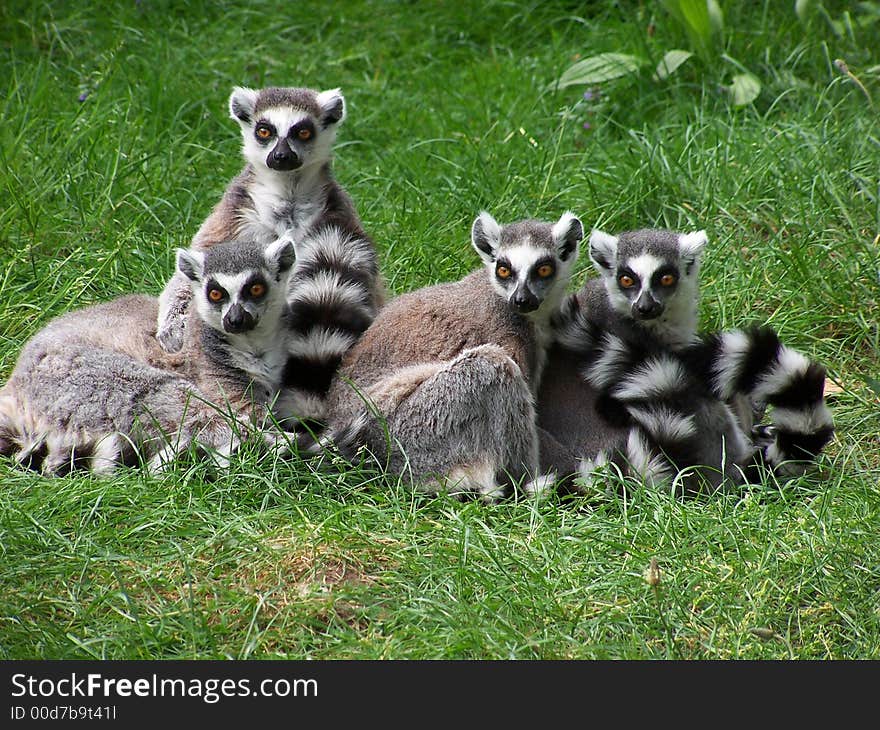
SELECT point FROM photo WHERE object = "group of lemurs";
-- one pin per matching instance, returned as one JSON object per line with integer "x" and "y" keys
{"x": 275, "y": 327}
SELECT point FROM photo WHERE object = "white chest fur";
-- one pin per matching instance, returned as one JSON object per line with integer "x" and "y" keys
{"x": 261, "y": 357}
{"x": 282, "y": 207}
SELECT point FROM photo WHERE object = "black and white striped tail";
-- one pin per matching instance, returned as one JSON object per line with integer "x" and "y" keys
{"x": 642, "y": 388}
{"x": 652, "y": 393}
{"x": 334, "y": 296}
{"x": 756, "y": 364}
{"x": 655, "y": 392}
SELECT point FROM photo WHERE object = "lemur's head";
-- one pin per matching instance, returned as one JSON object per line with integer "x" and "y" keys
{"x": 287, "y": 128}
{"x": 238, "y": 286}
{"x": 529, "y": 262}
{"x": 649, "y": 271}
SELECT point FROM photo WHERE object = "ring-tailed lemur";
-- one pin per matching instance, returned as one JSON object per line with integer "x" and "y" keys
{"x": 95, "y": 389}
{"x": 648, "y": 393}
{"x": 649, "y": 281}
{"x": 449, "y": 371}
{"x": 287, "y": 189}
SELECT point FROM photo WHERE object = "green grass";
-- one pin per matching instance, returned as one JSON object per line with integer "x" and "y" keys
{"x": 451, "y": 110}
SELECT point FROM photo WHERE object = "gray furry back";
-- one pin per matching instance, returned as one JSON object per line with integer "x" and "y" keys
{"x": 84, "y": 391}
{"x": 412, "y": 330}
{"x": 94, "y": 388}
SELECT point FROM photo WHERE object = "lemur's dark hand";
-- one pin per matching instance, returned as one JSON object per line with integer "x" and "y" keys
{"x": 171, "y": 334}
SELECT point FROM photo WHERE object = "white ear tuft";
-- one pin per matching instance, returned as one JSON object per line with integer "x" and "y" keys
{"x": 242, "y": 103}
{"x": 567, "y": 234}
{"x": 190, "y": 263}
{"x": 603, "y": 250}
{"x": 486, "y": 236}
{"x": 332, "y": 105}
{"x": 280, "y": 254}
{"x": 691, "y": 244}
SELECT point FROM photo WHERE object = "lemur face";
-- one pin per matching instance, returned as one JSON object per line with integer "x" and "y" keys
{"x": 286, "y": 129}
{"x": 238, "y": 287}
{"x": 529, "y": 263}
{"x": 645, "y": 271}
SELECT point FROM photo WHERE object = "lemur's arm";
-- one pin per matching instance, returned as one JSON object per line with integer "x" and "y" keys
{"x": 173, "y": 306}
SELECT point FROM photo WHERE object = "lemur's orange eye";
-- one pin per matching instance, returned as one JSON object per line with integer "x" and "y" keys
{"x": 667, "y": 280}
{"x": 627, "y": 281}
{"x": 502, "y": 272}
{"x": 257, "y": 290}
{"x": 263, "y": 132}
{"x": 216, "y": 295}
{"x": 304, "y": 134}
{"x": 545, "y": 270}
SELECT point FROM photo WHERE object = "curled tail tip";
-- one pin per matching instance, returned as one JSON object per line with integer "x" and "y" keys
{"x": 792, "y": 445}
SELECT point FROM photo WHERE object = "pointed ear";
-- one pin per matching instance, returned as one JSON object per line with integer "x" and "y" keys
{"x": 486, "y": 236}
{"x": 603, "y": 250}
{"x": 242, "y": 103}
{"x": 332, "y": 105}
{"x": 567, "y": 234}
{"x": 691, "y": 246}
{"x": 280, "y": 255}
{"x": 190, "y": 263}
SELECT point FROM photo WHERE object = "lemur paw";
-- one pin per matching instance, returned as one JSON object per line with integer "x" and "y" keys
{"x": 170, "y": 336}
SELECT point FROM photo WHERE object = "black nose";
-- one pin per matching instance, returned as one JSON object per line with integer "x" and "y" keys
{"x": 237, "y": 320}
{"x": 283, "y": 157}
{"x": 648, "y": 309}
{"x": 525, "y": 301}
